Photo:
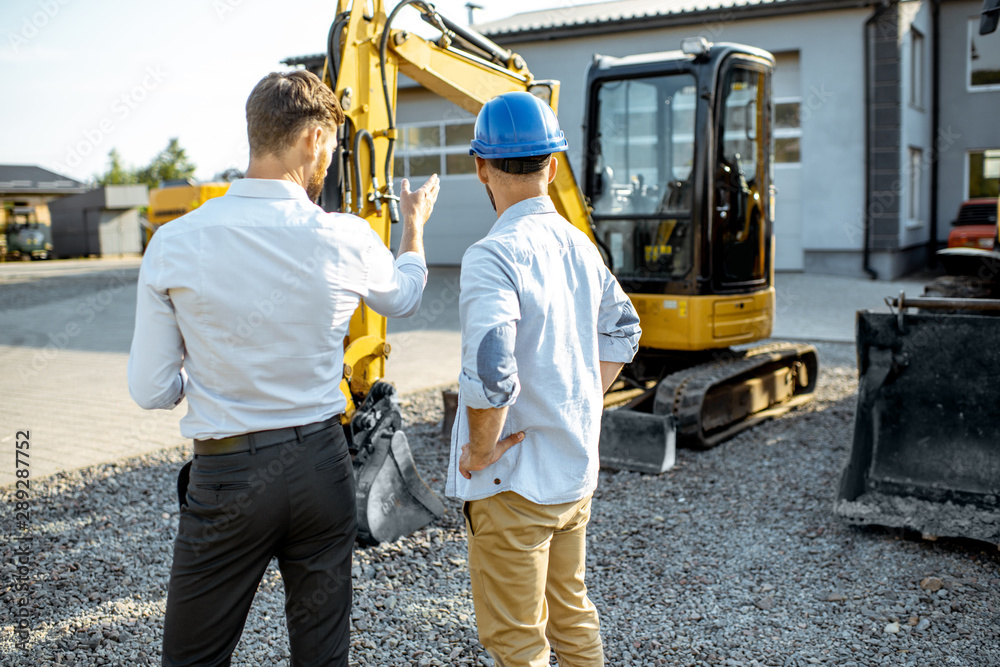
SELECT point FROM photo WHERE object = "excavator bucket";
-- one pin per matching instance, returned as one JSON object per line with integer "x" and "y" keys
{"x": 926, "y": 450}
{"x": 392, "y": 500}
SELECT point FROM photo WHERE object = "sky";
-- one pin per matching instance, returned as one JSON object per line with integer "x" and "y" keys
{"x": 81, "y": 77}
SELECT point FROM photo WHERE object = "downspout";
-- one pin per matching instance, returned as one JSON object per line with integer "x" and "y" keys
{"x": 869, "y": 116}
{"x": 935, "y": 127}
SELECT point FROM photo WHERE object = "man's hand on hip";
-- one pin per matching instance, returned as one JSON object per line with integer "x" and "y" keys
{"x": 483, "y": 457}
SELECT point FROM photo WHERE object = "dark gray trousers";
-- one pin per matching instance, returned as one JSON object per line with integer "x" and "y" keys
{"x": 293, "y": 501}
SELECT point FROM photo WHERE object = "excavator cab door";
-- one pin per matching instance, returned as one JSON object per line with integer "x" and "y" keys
{"x": 740, "y": 226}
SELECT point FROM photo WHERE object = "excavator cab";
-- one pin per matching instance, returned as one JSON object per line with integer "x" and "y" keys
{"x": 678, "y": 173}
{"x": 677, "y": 186}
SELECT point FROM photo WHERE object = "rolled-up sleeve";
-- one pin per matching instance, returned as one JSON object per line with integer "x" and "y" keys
{"x": 490, "y": 310}
{"x": 618, "y": 329}
{"x": 394, "y": 287}
{"x": 155, "y": 364}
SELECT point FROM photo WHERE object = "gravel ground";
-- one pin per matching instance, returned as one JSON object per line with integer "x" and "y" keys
{"x": 731, "y": 558}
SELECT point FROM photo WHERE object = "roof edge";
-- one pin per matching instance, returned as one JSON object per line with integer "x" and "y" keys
{"x": 737, "y": 13}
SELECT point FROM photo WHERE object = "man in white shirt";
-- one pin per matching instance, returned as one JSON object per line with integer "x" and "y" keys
{"x": 545, "y": 331}
{"x": 243, "y": 306}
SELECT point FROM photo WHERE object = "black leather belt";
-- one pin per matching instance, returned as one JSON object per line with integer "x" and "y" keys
{"x": 251, "y": 442}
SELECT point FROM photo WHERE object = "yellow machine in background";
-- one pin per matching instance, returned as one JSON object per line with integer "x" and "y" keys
{"x": 173, "y": 199}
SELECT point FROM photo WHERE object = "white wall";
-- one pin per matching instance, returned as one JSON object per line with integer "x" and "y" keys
{"x": 788, "y": 254}
{"x": 915, "y": 120}
{"x": 831, "y": 50}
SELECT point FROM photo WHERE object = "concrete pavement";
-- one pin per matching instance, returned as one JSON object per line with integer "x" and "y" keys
{"x": 819, "y": 308}
{"x": 64, "y": 359}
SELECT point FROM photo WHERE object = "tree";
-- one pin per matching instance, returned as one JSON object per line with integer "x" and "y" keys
{"x": 117, "y": 173}
{"x": 170, "y": 164}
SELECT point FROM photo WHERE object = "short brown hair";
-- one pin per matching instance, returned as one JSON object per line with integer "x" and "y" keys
{"x": 282, "y": 105}
{"x": 536, "y": 169}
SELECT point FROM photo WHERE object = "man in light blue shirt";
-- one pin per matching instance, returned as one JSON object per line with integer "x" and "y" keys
{"x": 545, "y": 331}
{"x": 243, "y": 306}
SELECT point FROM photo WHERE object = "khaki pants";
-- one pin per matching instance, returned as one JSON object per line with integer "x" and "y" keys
{"x": 527, "y": 563}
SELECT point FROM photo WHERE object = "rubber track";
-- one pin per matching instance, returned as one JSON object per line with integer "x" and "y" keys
{"x": 684, "y": 392}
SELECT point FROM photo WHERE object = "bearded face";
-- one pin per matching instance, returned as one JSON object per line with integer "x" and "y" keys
{"x": 318, "y": 178}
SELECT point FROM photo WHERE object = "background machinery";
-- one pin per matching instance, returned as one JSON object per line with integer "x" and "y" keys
{"x": 175, "y": 198}
{"x": 25, "y": 232}
{"x": 926, "y": 450}
{"x": 677, "y": 196}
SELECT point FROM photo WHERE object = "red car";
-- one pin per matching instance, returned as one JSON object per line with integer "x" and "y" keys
{"x": 973, "y": 239}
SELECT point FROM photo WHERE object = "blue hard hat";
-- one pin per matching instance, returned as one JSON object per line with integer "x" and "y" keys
{"x": 515, "y": 125}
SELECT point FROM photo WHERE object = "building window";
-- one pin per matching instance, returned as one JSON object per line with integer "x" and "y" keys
{"x": 984, "y": 173}
{"x": 787, "y": 131}
{"x": 916, "y": 68}
{"x": 440, "y": 147}
{"x": 984, "y": 59}
{"x": 914, "y": 169}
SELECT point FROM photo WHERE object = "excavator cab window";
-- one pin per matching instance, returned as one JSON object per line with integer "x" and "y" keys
{"x": 739, "y": 226}
{"x": 642, "y": 156}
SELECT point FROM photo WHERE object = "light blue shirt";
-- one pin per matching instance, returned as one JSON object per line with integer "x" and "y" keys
{"x": 539, "y": 311}
{"x": 243, "y": 305}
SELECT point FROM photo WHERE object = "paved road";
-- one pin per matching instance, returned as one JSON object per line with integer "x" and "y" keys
{"x": 66, "y": 327}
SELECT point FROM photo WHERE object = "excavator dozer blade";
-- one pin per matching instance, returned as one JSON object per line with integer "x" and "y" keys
{"x": 705, "y": 404}
{"x": 392, "y": 500}
{"x": 638, "y": 441}
{"x": 926, "y": 450}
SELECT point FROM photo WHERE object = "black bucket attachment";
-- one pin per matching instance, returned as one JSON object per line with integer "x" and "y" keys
{"x": 392, "y": 499}
{"x": 633, "y": 438}
{"x": 926, "y": 451}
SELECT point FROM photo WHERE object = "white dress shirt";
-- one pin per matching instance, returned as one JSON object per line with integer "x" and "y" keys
{"x": 243, "y": 305}
{"x": 539, "y": 311}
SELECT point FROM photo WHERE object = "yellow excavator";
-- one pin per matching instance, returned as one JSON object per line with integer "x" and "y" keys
{"x": 677, "y": 194}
